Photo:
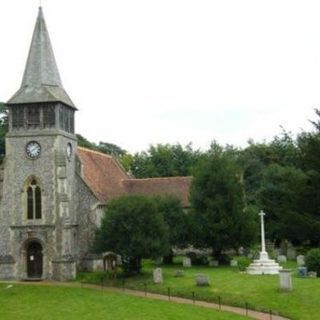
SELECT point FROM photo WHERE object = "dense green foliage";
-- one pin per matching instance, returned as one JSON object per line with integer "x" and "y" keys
{"x": 133, "y": 227}
{"x": 164, "y": 160}
{"x": 220, "y": 218}
{"x": 313, "y": 261}
{"x": 59, "y": 303}
{"x": 177, "y": 221}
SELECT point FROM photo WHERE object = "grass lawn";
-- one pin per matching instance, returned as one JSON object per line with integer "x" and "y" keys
{"x": 235, "y": 288}
{"x": 52, "y": 302}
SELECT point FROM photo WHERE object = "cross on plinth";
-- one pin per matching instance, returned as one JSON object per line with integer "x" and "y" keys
{"x": 263, "y": 253}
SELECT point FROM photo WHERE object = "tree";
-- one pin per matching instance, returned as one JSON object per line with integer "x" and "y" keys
{"x": 220, "y": 219}
{"x": 134, "y": 228}
{"x": 164, "y": 160}
{"x": 281, "y": 195}
{"x": 177, "y": 222}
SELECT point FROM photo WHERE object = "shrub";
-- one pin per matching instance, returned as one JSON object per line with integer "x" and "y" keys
{"x": 243, "y": 263}
{"x": 313, "y": 261}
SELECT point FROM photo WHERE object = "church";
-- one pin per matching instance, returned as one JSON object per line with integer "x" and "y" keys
{"x": 52, "y": 192}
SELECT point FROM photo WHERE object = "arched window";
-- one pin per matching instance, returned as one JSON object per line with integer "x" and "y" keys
{"x": 33, "y": 200}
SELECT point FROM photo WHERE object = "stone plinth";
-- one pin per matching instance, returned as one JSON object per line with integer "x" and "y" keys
{"x": 264, "y": 265}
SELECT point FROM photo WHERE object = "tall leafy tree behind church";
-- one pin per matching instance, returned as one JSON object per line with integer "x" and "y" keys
{"x": 220, "y": 217}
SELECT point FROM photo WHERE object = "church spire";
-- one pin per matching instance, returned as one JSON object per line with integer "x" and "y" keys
{"x": 41, "y": 80}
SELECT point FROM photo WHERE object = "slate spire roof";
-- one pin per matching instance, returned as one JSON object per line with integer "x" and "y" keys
{"x": 41, "y": 80}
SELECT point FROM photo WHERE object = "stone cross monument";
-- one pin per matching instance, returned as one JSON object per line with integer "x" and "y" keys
{"x": 263, "y": 265}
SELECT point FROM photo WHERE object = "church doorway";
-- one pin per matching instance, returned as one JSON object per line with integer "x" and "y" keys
{"x": 34, "y": 260}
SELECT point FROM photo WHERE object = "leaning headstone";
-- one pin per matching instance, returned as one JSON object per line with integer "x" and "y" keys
{"x": 213, "y": 263}
{"x": 233, "y": 263}
{"x": 312, "y": 274}
{"x": 179, "y": 273}
{"x": 186, "y": 262}
{"x": 302, "y": 272}
{"x": 301, "y": 260}
{"x": 282, "y": 259}
{"x": 285, "y": 280}
{"x": 157, "y": 275}
{"x": 202, "y": 280}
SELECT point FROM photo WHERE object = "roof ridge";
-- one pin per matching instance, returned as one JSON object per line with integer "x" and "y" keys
{"x": 158, "y": 178}
{"x": 95, "y": 151}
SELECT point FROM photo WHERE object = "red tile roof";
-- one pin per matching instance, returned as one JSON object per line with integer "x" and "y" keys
{"x": 107, "y": 179}
{"x": 102, "y": 174}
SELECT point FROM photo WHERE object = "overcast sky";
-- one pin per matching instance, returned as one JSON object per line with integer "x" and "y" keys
{"x": 143, "y": 72}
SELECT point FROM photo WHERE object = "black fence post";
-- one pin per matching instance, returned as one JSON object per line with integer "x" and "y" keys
{"x": 168, "y": 293}
{"x": 246, "y": 309}
{"x": 123, "y": 285}
{"x": 270, "y": 313}
{"x": 101, "y": 281}
{"x": 145, "y": 289}
{"x": 219, "y": 301}
{"x": 193, "y": 297}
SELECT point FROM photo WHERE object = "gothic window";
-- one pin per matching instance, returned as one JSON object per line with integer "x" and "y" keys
{"x": 33, "y": 201}
{"x": 17, "y": 114}
{"x": 33, "y": 116}
{"x": 49, "y": 116}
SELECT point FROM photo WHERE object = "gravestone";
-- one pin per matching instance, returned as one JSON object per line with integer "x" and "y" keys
{"x": 301, "y": 260}
{"x": 302, "y": 272}
{"x": 312, "y": 274}
{"x": 233, "y": 263}
{"x": 291, "y": 253}
{"x": 213, "y": 263}
{"x": 179, "y": 273}
{"x": 157, "y": 275}
{"x": 186, "y": 262}
{"x": 202, "y": 280}
{"x": 285, "y": 280}
{"x": 282, "y": 259}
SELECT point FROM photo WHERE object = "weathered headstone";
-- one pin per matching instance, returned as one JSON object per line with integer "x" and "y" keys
{"x": 186, "y": 262}
{"x": 213, "y": 263}
{"x": 312, "y": 274}
{"x": 179, "y": 273}
{"x": 285, "y": 280}
{"x": 301, "y": 260}
{"x": 157, "y": 275}
{"x": 202, "y": 280}
{"x": 233, "y": 263}
{"x": 302, "y": 271}
{"x": 291, "y": 253}
{"x": 282, "y": 259}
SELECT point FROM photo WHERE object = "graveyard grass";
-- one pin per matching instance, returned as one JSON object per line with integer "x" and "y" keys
{"x": 38, "y": 302}
{"x": 234, "y": 288}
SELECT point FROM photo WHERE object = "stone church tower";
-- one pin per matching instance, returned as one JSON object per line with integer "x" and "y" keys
{"x": 38, "y": 226}
{"x": 53, "y": 193}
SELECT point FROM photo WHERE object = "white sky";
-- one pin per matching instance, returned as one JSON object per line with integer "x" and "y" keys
{"x": 154, "y": 71}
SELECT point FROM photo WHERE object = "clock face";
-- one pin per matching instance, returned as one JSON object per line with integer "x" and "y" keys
{"x": 69, "y": 150}
{"x": 33, "y": 149}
